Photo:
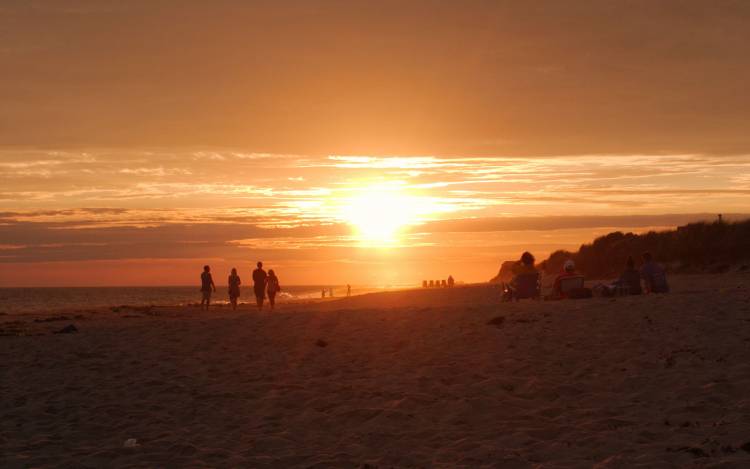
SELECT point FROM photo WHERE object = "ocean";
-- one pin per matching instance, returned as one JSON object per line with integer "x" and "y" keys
{"x": 47, "y": 299}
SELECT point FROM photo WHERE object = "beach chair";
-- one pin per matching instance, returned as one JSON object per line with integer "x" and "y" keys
{"x": 527, "y": 286}
{"x": 569, "y": 284}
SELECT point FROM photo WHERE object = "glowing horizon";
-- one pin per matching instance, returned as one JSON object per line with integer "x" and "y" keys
{"x": 358, "y": 218}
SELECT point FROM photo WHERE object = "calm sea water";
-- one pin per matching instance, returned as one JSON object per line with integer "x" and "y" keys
{"x": 23, "y": 300}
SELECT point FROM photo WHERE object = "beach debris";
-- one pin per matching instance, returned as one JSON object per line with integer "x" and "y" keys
{"x": 69, "y": 329}
{"x": 130, "y": 443}
{"x": 496, "y": 321}
{"x": 321, "y": 343}
{"x": 52, "y": 319}
{"x": 694, "y": 450}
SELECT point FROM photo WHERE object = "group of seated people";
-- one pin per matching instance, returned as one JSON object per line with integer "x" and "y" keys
{"x": 439, "y": 283}
{"x": 526, "y": 282}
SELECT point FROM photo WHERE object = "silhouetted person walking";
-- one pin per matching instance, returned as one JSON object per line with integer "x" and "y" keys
{"x": 234, "y": 283}
{"x": 259, "y": 284}
{"x": 348, "y": 290}
{"x": 273, "y": 287}
{"x": 207, "y": 286}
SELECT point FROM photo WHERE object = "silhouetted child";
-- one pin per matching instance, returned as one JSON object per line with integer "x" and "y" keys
{"x": 234, "y": 283}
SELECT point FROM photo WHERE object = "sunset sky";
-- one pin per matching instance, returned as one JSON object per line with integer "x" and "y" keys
{"x": 358, "y": 142}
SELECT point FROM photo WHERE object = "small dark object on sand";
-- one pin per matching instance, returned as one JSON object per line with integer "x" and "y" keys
{"x": 694, "y": 450}
{"x": 52, "y": 319}
{"x": 746, "y": 447}
{"x": 321, "y": 343}
{"x": 70, "y": 328}
{"x": 496, "y": 321}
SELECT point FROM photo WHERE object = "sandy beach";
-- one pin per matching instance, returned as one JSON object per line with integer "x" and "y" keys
{"x": 421, "y": 378}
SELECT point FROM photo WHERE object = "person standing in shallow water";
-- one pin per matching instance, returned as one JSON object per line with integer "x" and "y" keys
{"x": 234, "y": 283}
{"x": 207, "y": 286}
{"x": 273, "y": 287}
{"x": 259, "y": 284}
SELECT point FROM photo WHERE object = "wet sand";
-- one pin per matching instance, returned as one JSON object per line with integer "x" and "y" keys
{"x": 422, "y": 378}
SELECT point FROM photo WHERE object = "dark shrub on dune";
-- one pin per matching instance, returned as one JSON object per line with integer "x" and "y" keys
{"x": 695, "y": 247}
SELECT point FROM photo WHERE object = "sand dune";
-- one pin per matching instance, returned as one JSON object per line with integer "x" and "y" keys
{"x": 423, "y": 378}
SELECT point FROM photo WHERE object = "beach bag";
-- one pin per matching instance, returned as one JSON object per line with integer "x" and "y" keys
{"x": 578, "y": 293}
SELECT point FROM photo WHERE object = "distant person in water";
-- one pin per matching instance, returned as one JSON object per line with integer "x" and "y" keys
{"x": 348, "y": 290}
{"x": 234, "y": 283}
{"x": 654, "y": 276}
{"x": 451, "y": 282}
{"x": 272, "y": 287}
{"x": 207, "y": 286}
{"x": 323, "y": 293}
{"x": 259, "y": 285}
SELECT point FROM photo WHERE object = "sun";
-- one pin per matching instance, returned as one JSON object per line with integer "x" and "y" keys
{"x": 379, "y": 215}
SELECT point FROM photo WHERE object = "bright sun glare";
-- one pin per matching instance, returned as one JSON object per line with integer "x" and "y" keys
{"x": 379, "y": 215}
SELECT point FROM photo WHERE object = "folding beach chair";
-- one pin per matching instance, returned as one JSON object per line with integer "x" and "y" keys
{"x": 570, "y": 285}
{"x": 525, "y": 286}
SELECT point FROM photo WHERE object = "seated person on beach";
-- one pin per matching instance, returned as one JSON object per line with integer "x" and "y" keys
{"x": 523, "y": 271}
{"x": 558, "y": 289}
{"x": 654, "y": 276}
{"x": 207, "y": 285}
{"x": 630, "y": 279}
{"x": 629, "y": 282}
